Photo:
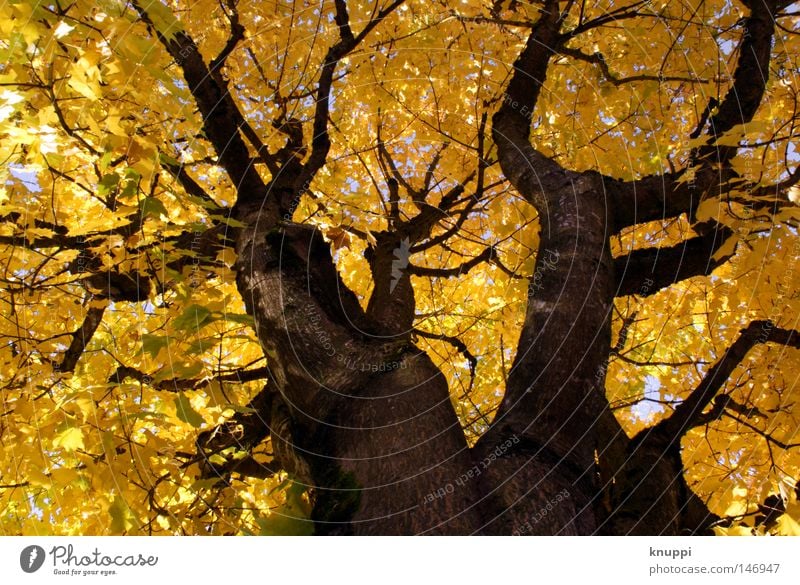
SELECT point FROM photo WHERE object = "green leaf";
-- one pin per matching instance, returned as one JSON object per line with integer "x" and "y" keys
{"x": 235, "y": 223}
{"x": 129, "y": 190}
{"x": 149, "y": 416}
{"x": 122, "y": 519}
{"x": 152, "y": 207}
{"x": 199, "y": 346}
{"x": 186, "y": 413}
{"x": 195, "y": 317}
{"x": 294, "y": 498}
{"x": 168, "y": 160}
{"x": 283, "y": 522}
{"x": 291, "y": 519}
{"x": 204, "y": 484}
{"x": 106, "y": 159}
{"x": 244, "y": 319}
{"x": 202, "y": 203}
{"x": 107, "y": 184}
{"x": 163, "y": 20}
{"x": 152, "y": 344}
{"x": 187, "y": 371}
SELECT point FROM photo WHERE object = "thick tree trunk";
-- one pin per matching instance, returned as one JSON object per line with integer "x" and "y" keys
{"x": 365, "y": 418}
{"x": 372, "y": 427}
{"x": 554, "y": 398}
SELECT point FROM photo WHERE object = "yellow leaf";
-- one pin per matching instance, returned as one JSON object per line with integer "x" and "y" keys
{"x": 708, "y": 209}
{"x": 37, "y": 477}
{"x": 83, "y": 88}
{"x": 163, "y": 19}
{"x": 70, "y": 439}
{"x": 787, "y": 526}
{"x": 738, "y": 505}
{"x": 62, "y": 30}
{"x": 738, "y": 530}
{"x": 227, "y": 256}
{"x": 64, "y": 476}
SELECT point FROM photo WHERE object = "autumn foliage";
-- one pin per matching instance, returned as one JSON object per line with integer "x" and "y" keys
{"x": 567, "y": 231}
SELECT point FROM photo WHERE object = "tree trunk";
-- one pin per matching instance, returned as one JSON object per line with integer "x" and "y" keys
{"x": 371, "y": 429}
{"x": 373, "y": 432}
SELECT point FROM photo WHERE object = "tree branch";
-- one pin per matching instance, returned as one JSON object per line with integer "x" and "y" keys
{"x": 463, "y": 268}
{"x": 669, "y": 430}
{"x": 598, "y": 59}
{"x": 11, "y": 486}
{"x": 766, "y": 436}
{"x": 81, "y": 338}
{"x": 235, "y": 37}
{"x": 247, "y": 466}
{"x": 646, "y": 271}
{"x": 189, "y": 184}
{"x": 669, "y": 195}
{"x": 621, "y": 13}
{"x": 419, "y": 227}
{"x": 320, "y": 142}
{"x": 749, "y": 80}
{"x": 244, "y": 430}
{"x": 179, "y": 384}
{"x": 528, "y": 169}
{"x": 459, "y": 345}
{"x": 221, "y": 117}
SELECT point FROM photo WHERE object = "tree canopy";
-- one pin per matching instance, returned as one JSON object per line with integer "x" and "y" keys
{"x": 558, "y": 232}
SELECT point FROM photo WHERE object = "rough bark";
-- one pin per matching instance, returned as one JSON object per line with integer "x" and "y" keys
{"x": 645, "y": 271}
{"x": 370, "y": 414}
{"x": 552, "y": 386}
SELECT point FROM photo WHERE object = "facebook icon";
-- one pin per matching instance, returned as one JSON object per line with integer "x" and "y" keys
{"x": 31, "y": 558}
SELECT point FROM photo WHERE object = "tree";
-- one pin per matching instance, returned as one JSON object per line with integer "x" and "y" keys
{"x": 399, "y": 267}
